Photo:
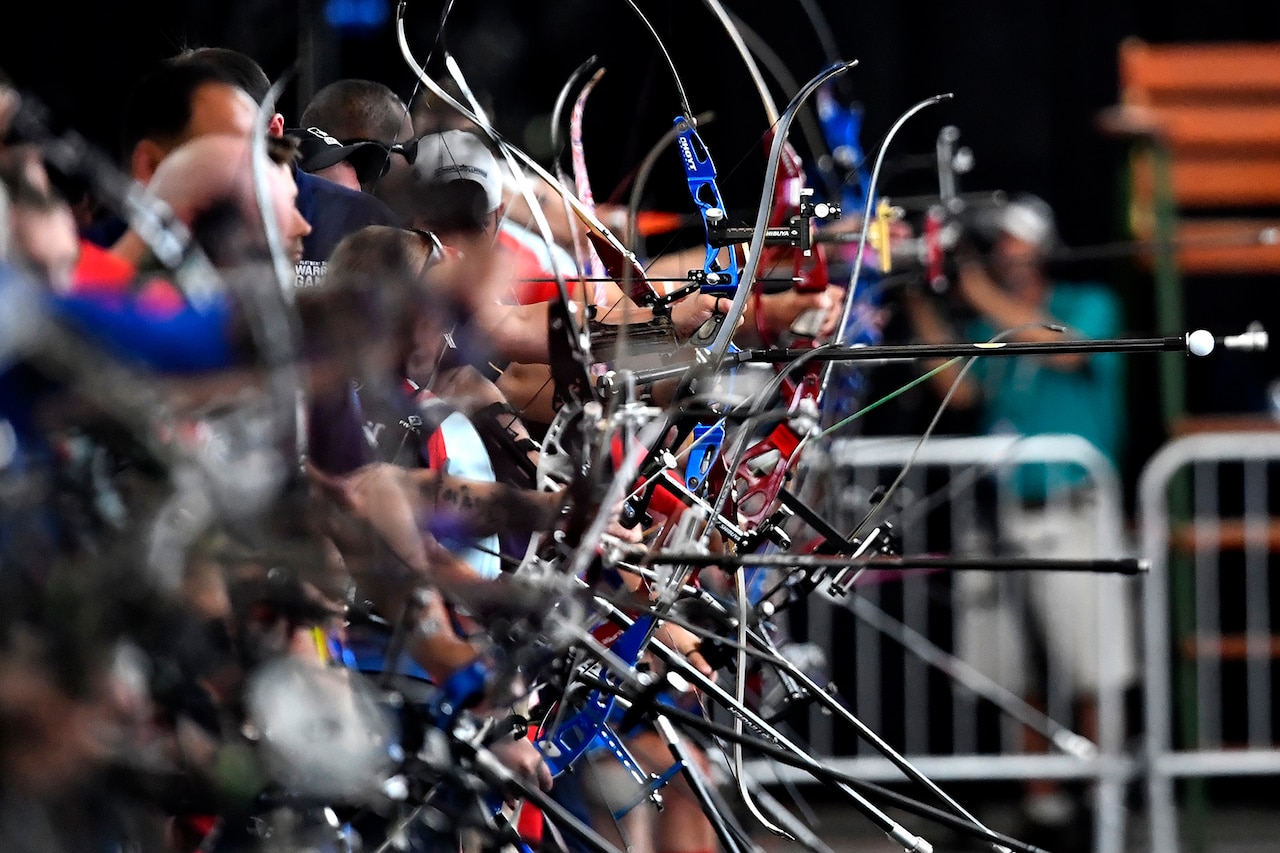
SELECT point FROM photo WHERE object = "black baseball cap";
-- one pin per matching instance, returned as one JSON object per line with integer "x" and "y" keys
{"x": 318, "y": 150}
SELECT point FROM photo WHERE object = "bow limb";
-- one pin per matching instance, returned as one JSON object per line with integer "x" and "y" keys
{"x": 685, "y": 109}
{"x": 821, "y": 28}
{"x": 581, "y": 181}
{"x": 582, "y": 186}
{"x": 558, "y": 143}
{"x": 455, "y": 71}
{"x": 790, "y": 85}
{"x": 619, "y": 262}
{"x": 740, "y": 695}
{"x": 757, "y": 79}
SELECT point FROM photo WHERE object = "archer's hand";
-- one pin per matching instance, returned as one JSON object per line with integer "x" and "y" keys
{"x": 780, "y": 311}
{"x": 522, "y": 758}
{"x": 691, "y": 314}
{"x": 686, "y": 643}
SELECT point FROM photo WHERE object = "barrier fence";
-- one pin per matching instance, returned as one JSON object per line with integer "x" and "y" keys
{"x": 937, "y": 663}
{"x": 1206, "y": 510}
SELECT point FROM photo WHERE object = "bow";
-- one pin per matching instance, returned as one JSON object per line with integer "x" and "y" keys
{"x": 715, "y": 277}
{"x": 756, "y": 477}
{"x": 589, "y": 727}
{"x": 758, "y": 490}
{"x": 700, "y": 174}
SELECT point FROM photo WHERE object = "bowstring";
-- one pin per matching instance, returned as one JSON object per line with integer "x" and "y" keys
{"x": 417, "y": 81}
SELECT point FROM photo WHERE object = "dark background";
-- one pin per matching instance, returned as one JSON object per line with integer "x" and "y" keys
{"x": 1028, "y": 79}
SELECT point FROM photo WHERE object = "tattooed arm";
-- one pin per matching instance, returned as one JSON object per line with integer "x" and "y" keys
{"x": 482, "y": 508}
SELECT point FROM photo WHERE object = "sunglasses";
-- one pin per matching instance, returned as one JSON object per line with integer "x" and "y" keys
{"x": 408, "y": 149}
{"x": 372, "y": 160}
{"x": 435, "y": 249}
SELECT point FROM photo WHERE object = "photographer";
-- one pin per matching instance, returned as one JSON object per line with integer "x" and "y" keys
{"x": 1053, "y": 512}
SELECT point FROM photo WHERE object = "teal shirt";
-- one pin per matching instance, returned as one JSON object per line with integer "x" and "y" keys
{"x": 1024, "y": 395}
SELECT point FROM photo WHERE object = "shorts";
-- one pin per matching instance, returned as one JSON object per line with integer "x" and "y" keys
{"x": 1029, "y": 628}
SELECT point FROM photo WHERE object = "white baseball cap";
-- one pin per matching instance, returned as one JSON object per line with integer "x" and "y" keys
{"x": 458, "y": 155}
{"x": 1029, "y": 218}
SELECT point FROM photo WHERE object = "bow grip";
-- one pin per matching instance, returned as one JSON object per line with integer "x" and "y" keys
{"x": 758, "y": 489}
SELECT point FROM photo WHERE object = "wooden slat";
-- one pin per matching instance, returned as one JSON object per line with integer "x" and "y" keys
{"x": 1232, "y": 647}
{"x": 1234, "y": 68}
{"x": 1249, "y": 130}
{"x": 1231, "y": 534}
{"x": 1200, "y": 128}
{"x": 1207, "y": 183}
{"x": 1226, "y": 246}
{"x": 1200, "y": 424}
{"x": 1242, "y": 261}
{"x": 1226, "y": 182}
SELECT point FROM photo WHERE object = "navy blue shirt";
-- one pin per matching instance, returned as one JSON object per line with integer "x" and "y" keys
{"x": 334, "y": 211}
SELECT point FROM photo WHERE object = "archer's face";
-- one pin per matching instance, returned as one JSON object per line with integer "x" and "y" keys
{"x": 284, "y": 194}
{"x": 1017, "y": 267}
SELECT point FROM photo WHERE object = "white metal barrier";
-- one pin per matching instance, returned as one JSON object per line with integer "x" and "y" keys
{"x": 939, "y": 513}
{"x": 1227, "y": 493}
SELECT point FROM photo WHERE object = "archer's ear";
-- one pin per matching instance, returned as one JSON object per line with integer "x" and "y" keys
{"x": 145, "y": 159}
{"x": 276, "y": 126}
{"x": 495, "y": 219}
